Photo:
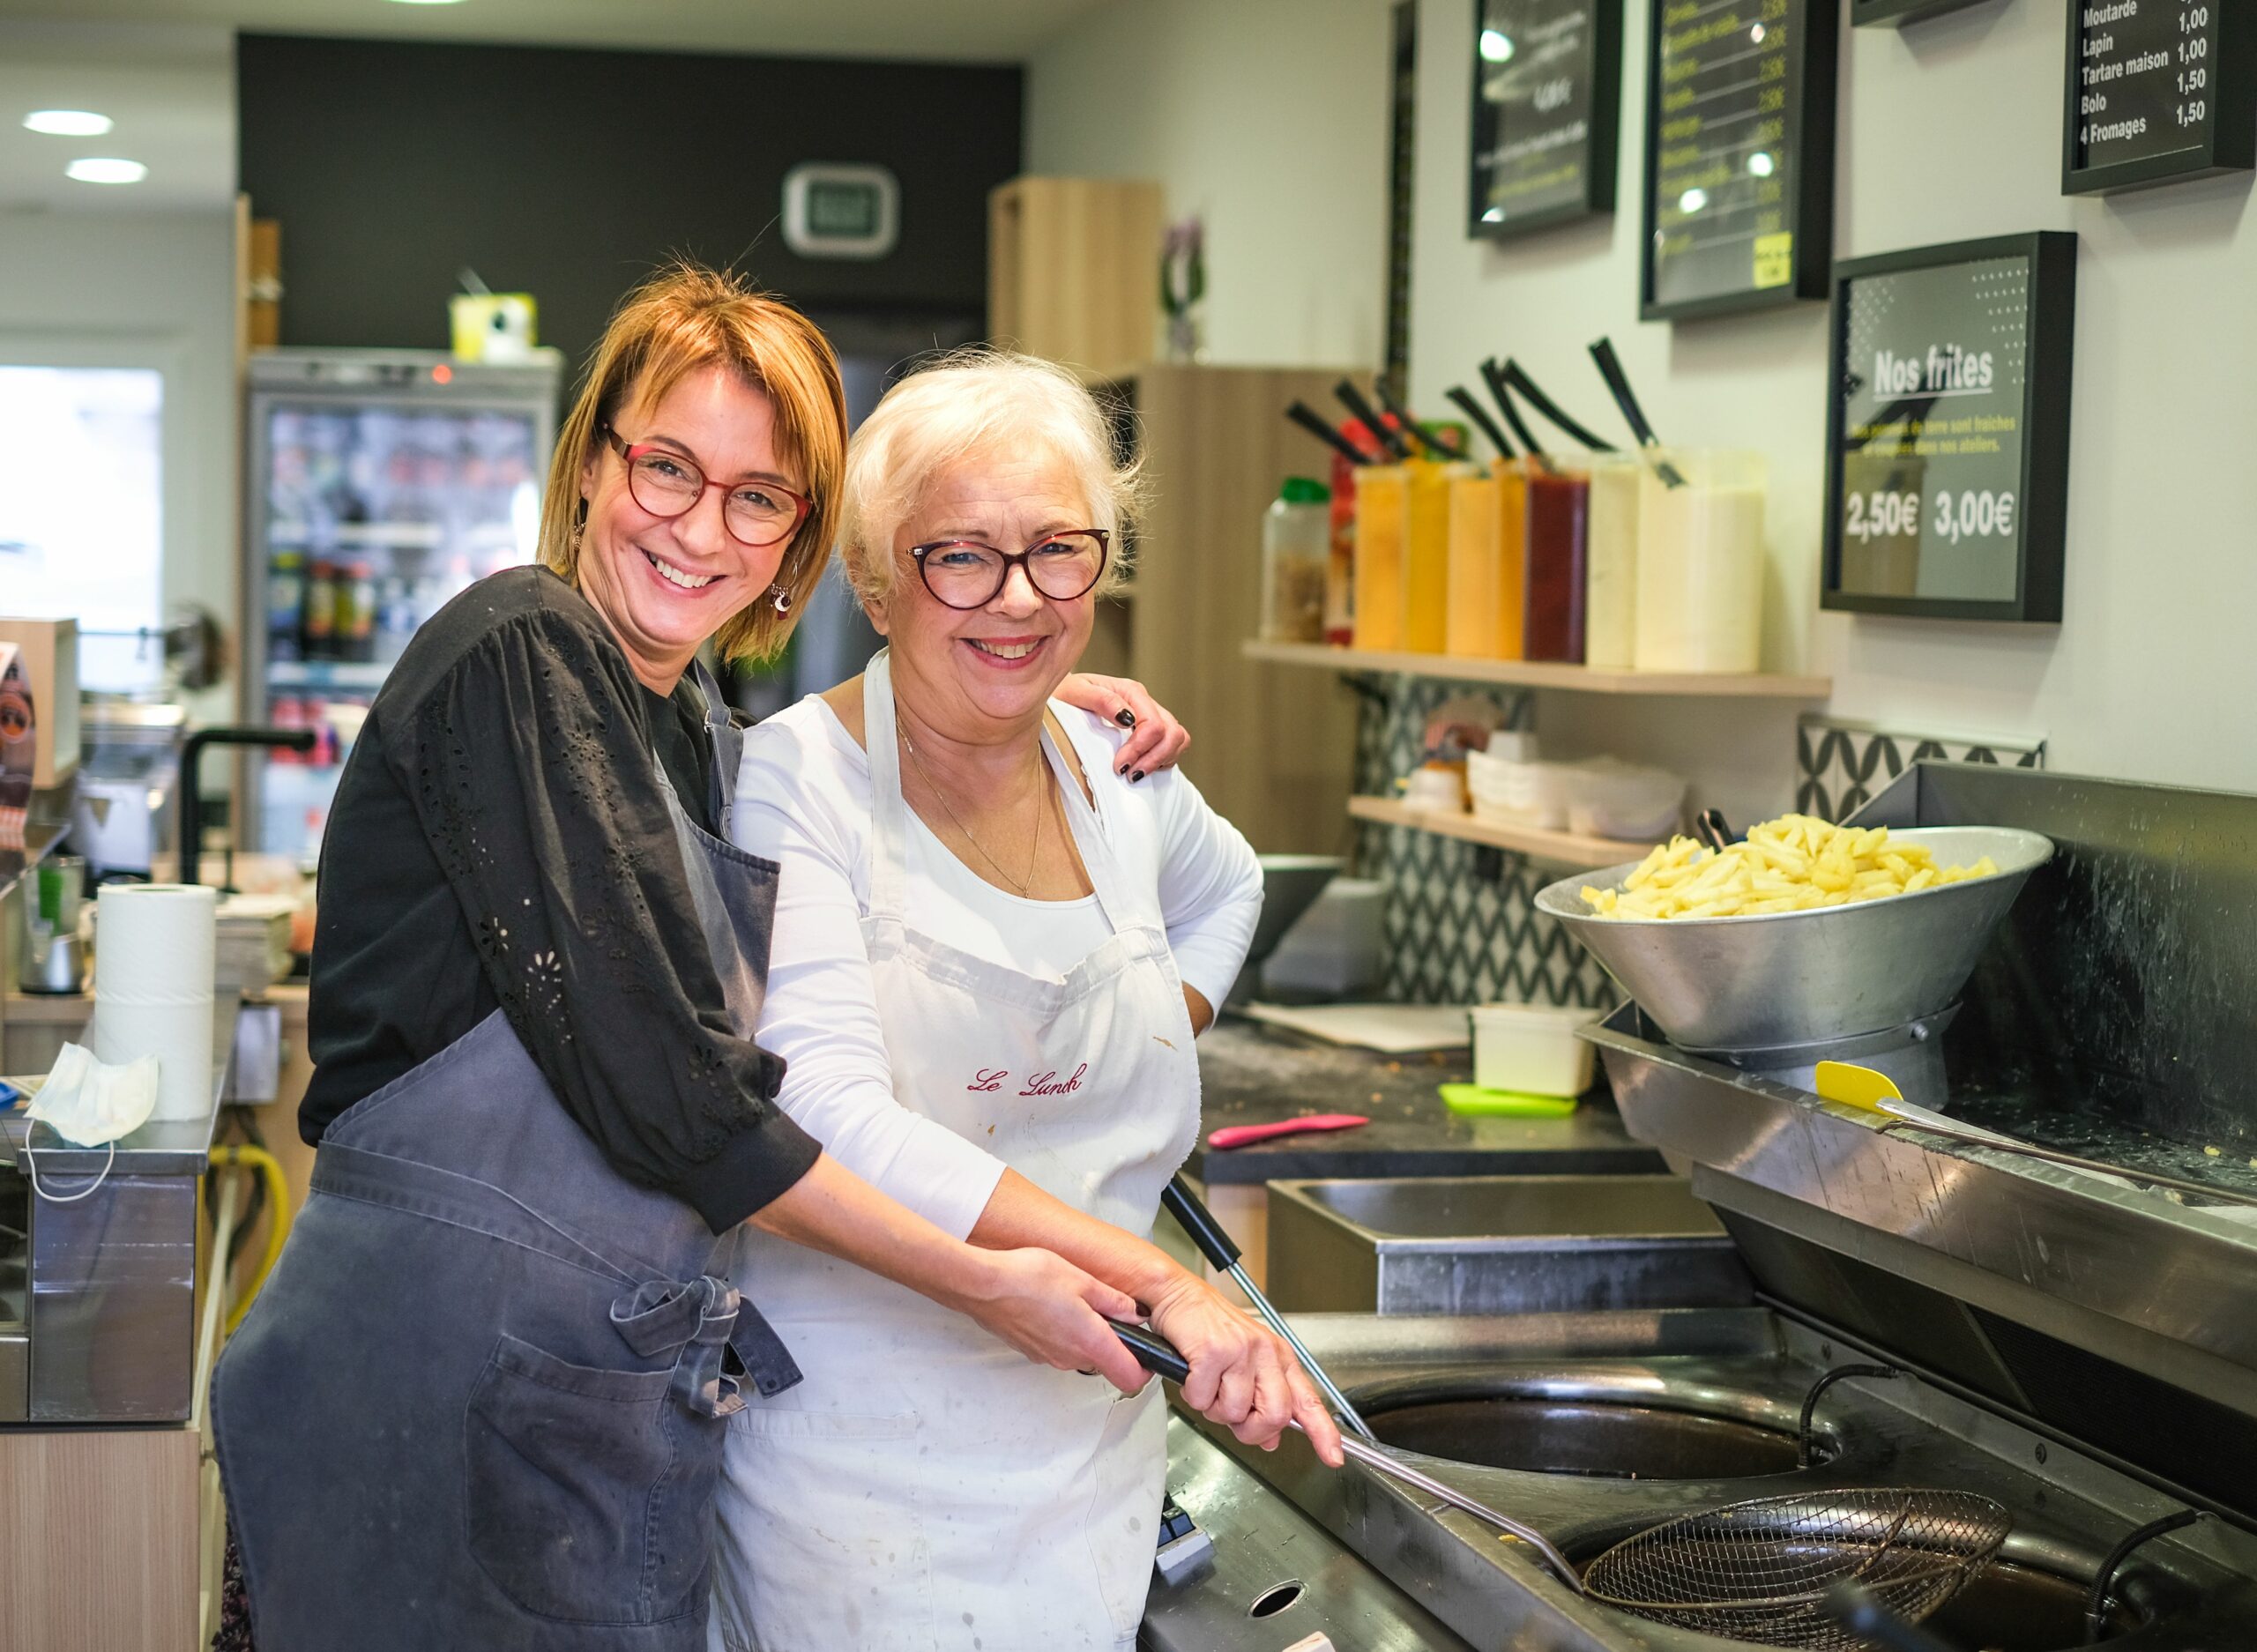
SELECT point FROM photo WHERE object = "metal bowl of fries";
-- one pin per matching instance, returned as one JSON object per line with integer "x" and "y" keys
{"x": 1761, "y": 979}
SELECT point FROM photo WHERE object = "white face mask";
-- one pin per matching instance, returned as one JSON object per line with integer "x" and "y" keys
{"x": 91, "y": 1104}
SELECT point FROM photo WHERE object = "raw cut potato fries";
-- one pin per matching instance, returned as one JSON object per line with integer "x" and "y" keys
{"x": 1793, "y": 864}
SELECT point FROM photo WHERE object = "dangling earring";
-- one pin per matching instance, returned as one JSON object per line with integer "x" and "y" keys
{"x": 780, "y": 596}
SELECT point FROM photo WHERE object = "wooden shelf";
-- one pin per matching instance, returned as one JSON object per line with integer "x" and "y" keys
{"x": 1530, "y": 674}
{"x": 1565, "y": 849}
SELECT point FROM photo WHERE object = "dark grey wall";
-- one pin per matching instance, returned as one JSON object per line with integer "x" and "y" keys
{"x": 569, "y": 173}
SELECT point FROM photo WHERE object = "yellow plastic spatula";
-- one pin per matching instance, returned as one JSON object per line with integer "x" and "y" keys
{"x": 1870, "y": 1091}
{"x": 1856, "y": 1086}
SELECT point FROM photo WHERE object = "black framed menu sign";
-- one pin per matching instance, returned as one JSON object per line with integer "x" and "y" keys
{"x": 1895, "y": 14}
{"x": 2159, "y": 91}
{"x": 1739, "y": 154}
{"x": 1947, "y": 438}
{"x": 1547, "y": 111}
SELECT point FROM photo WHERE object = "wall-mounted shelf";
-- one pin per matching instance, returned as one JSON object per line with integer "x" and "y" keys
{"x": 1558, "y": 848}
{"x": 1529, "y": 673}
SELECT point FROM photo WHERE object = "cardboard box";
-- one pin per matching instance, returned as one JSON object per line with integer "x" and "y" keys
{"x": 47, "y": 651}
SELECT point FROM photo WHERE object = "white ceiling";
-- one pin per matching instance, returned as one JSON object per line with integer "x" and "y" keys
{"x": 962, "y": 30}
{"x": 164, "y": 69}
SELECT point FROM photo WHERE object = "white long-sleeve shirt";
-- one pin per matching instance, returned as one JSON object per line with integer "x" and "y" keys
{"x": 803, "y": 800}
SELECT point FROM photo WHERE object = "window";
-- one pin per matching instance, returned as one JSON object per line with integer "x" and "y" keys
{"x": 82, "y": 510}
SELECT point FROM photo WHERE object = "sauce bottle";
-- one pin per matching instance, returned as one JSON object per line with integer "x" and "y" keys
{"x": 1611, "y": 608}
{"x": 1425, "y": 557}
{"x": 1512, "y": 555}
{"x": 1471, "y": 632}
{"x": 1558, "y": 510}
{"x": 1382, "y": 511}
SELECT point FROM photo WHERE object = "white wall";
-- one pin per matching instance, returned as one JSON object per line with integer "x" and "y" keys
{"x": 155, "y": 289}
{"x": 1950, "y": 130}
{"x": 1269, "y": 117}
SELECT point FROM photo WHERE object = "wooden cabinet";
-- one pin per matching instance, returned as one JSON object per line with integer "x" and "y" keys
{"x": 1073, "y": 271}
{"x": 1272, "y": 746}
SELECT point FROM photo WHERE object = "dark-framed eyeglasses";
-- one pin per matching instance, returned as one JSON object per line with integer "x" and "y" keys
{"x": 965, "y": 574}
{"x": 667, "y": 483}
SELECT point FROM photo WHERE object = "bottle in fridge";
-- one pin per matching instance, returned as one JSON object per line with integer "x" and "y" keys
{"x": 381, "y": 481}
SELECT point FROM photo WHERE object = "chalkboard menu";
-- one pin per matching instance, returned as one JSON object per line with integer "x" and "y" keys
{"x": 1739, "y": 154}
{"x": 1547, "y": 106}
{"x": 1869, "y": 13}
{"x": 2159, "y": 91}
{"x": 1948, "y": 438}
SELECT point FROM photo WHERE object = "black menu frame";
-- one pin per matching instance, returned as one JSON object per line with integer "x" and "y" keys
{"x": 1602, "y": 148}
{"x": 2231, "y": 145}
{"x": 1895, "y": 14}
{"x": 2042, "y": 503}
{"x": 1809, "y": 141}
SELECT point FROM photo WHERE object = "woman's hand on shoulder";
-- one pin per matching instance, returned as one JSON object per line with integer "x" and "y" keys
{"x": 1156, "y": 740}
{"x": 1242, "y": 1374}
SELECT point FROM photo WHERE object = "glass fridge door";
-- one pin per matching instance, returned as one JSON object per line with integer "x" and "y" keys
{"x": 374, "y": 513}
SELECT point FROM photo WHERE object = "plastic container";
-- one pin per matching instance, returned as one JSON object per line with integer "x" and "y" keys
{"x": 1383, "y": 505}
{"x": 1438, "y": 787}
{"x": 1532, "y": 1049}
{"x": 1534, "y": 794}
{"x": 1425, "y": 558}
{"x": 1607, "y": 798}
{"x": 1558, "y": 548}
{"x": 1296, "y": 557}
{"x": 1699, "y": 603}
{"x": 1472, "y": 631}
{"x": 1340, "y": 570}
{"x": 1512, "y": 554}
{"x": 1611, "y": 607}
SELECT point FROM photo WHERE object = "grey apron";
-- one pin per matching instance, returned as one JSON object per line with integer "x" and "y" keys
{"x": 480, "y": 1402}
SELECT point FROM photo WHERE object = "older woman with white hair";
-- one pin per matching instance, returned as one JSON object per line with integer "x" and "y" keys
{"x": 992, "y": 951}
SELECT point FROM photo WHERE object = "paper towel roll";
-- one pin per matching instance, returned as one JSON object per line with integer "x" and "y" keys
{"x": 153, "y": 949}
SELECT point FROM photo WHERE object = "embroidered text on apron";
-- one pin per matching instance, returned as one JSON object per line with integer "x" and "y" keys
{"x": 930, "y": 1487}
{"x": 480, "y": 1401}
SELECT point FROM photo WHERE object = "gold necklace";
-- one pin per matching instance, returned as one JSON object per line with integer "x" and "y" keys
{"x": 1041, "y": 812}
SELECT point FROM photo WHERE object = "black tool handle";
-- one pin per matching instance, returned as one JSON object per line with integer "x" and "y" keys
{"x": 1409, "y": 422}
{"x": 1309, "y": 420}
{"x": 1493, "y": 376}
{"x": 1714, "y": 830}
{"x": 1352, "y": 400}
{"x": 1482, "y": 423}
{"x": 1194, "y": 1218}
{"x": 1618, "y": 382}
{"x": 1517, "y": 377}
{"x": 1153, "y": 1352}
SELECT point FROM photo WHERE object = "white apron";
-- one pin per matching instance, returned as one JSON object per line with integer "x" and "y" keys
{"x": 927, "y": 1488}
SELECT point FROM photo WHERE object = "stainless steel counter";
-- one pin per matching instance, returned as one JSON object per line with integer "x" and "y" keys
{"x": 102, "y": 1287}
{"x": 1250, "y": 1073}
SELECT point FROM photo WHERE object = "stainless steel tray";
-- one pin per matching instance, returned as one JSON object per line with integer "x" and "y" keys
{"x": 1498, "y": 1245}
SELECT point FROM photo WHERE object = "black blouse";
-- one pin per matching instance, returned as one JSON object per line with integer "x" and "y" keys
{"x": 500, "y": 838}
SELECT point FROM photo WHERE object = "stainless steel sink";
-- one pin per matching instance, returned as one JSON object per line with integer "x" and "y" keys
{"x": 1498, "y": 1245}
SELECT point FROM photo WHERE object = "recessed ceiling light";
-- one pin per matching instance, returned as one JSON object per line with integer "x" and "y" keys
{"x": 100, "y": 170}
{"x": 68, "y": 122}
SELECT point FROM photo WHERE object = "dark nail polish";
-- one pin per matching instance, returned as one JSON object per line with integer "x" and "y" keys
{"x": 1126, "y": 718}
{"x": 1135, "y": 777}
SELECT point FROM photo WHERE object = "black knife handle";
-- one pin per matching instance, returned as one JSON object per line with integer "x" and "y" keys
{"x": 1153, "y": 1352}
{"x": 1194, "y": 1218}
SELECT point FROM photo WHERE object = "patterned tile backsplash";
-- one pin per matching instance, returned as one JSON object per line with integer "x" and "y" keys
{"x": 1461, "y": 926}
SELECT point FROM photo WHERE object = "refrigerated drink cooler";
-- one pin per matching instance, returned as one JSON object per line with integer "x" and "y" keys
{"x": 381, "y": 483}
